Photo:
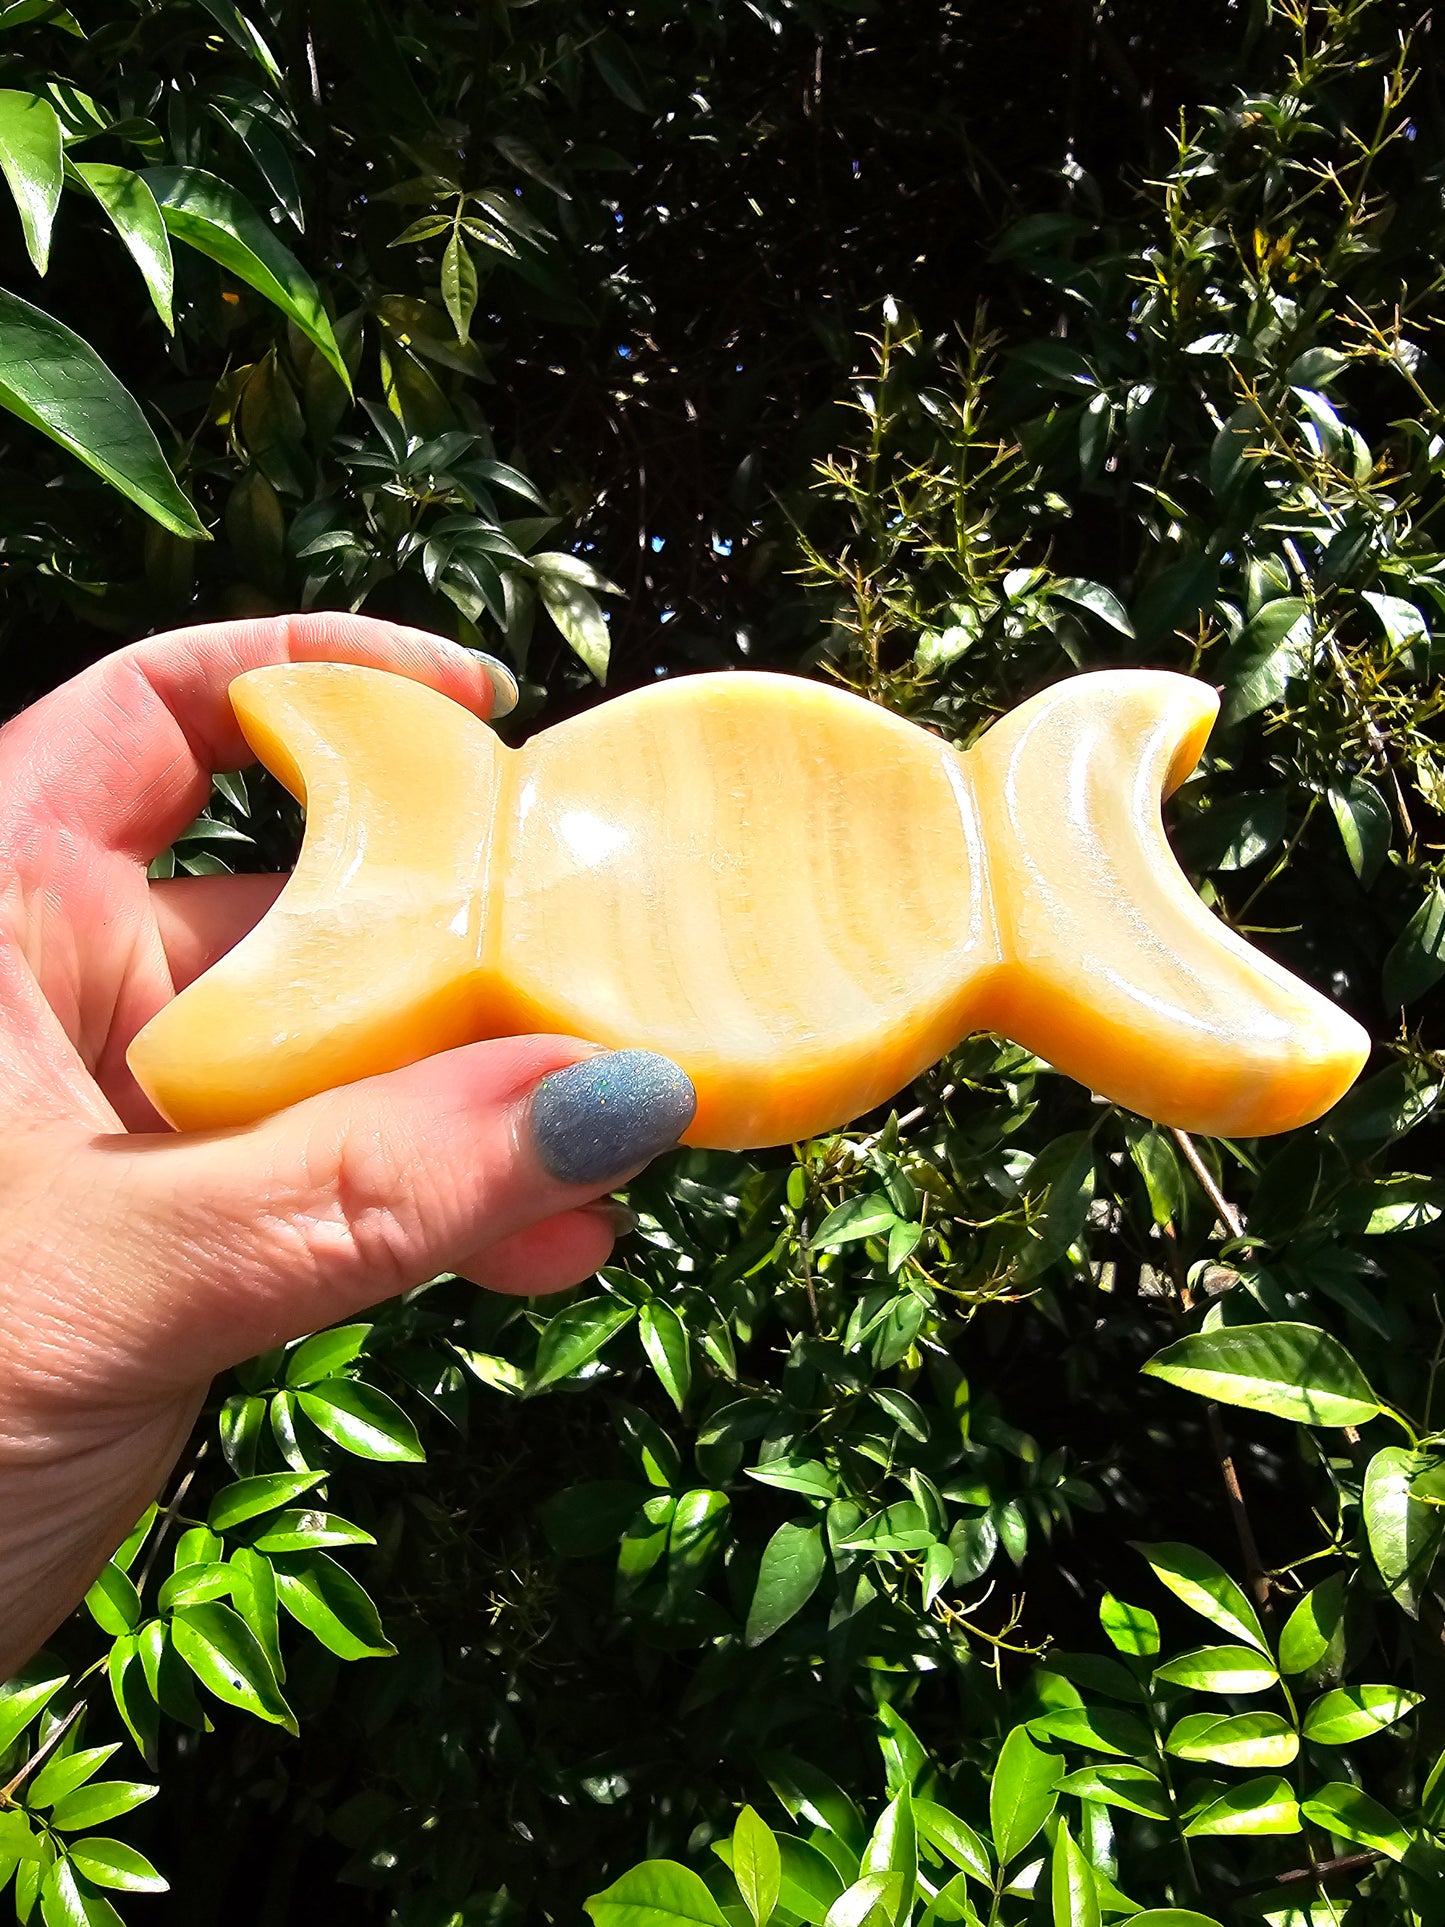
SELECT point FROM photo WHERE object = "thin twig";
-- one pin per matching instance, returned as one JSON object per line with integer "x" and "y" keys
{"x": 41, "y": 1753}
{"x": 1228, "y": 1216}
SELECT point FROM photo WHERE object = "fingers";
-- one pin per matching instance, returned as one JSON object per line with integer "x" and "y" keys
{"x": 123, "y": 755}
{"x": 201, "y": 918}
{"x": 549, "y": 1256}
{"x": 258, "y": 1235}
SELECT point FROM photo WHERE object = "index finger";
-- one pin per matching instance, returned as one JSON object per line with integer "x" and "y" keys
{"x": 123, "y": 754}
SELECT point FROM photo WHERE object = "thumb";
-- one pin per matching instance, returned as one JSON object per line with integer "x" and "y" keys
{"x": 481, "y": 1160}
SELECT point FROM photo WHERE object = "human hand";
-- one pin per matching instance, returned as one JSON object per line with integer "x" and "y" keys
{"x": 136, "y": 1263}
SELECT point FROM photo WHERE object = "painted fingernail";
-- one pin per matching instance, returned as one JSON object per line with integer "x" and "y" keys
{"x": 605, "y": 1116}
{"x": 504, "y": 686}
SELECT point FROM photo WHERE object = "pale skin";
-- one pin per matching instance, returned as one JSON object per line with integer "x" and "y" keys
{"x": 135, "y": 1263}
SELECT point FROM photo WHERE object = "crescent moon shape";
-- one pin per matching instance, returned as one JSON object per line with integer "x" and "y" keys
{"x": 1115, "y": 971}
{"x": 370, "y": 958}
{"x": 801, "y": 898}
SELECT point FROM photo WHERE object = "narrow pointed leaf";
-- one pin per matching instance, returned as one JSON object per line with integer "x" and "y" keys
{"x": 32, "y": 158}
{"x": 135, "y": 214}
{"x": 210, "y": 216}
{"x": 57, "y": 383}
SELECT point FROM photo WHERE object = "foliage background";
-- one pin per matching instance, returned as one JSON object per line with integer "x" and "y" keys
{"x": 941, "y": 352}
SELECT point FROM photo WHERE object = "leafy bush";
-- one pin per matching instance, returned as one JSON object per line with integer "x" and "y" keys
{"x": 1003, "y": 1511}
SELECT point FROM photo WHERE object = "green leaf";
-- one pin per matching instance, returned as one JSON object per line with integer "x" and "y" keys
{"x": 1403, "y": 1535}
{"x": 459, "y": 286}
{"x": 324, "y": 1598}
{"x": 664, "y": 1339}
{"x": 210, "y": 216}
{"x": 1131, "y": 1629}
{"x": 111, "y": 1863}
{"x": 586, "y": 1519}
{"x": 1265, "y": 1805}
{"x": 1134, "y": 1788}
{"x": 1063, "y": 1176}
{"x": 1343, "y": 1809}
{"x": 809, "y": 1882}
{"x": 1071, "y": 1882}
{"x": 1258, "y": 666}
{"x": 325, "y": 1353}
{"x": 62, "y": 1902}
{"x": 1206, "y": 1589}
{"x": 1314, "y": 1631}
{"x": 362, "y": 1420}
{"x": 952, "y": 1839}
{"x": 225, "y": 1656}
{"x": 1402, "y": 622}
{"x": 1292, "y": 1371}
{"x": 63, "y": 1772}
{"x": 249, "y": 1498}
{"x": 871, "y": 1901}
{"x": 92, "y": 1806}
{"x": 695, "y": 1535}
{"x": 1219, "y": 1669}
{"x": 792, "y": 1565}
{"x": 756, "y": 1865}
{"x": 1234, "y": 1739}
{"x": 659, "y": 1893}
{"x": 1351, "y": 1713}
{"x": 575, "y": 1336}
{"x": 300, "y": 1531}
{"x": 807, "y": 1476}
{"x": 1171, "y": 1917}
{"x": 57, "y": 383}
{"x": 1094, "y": 597}
{"x": 576, "y": 613}
{"x": 32, "y": 157}
{"x": 893, "y": 1849}
{"x": 1108, "y": 1729}
{"x": 134, "y": 213}
{"x": 1021, "y": 1796}
{"x": 1415, "y": 962}
{"x": 113, "y": 1602}
{"x": 1363, "y": 818}
{"x": 871, "y": 1216}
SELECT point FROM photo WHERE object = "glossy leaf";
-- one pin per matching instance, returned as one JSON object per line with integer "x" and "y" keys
{"x": 576, "y": 613}
{"x": 209, "y": 215}
{"x": 1265, "y": 1805}
{"x": 32, "y": 158}
{"x": 57, "y": 383}
{"x": 1130, "y": 1629}
{"x": 113, "y": 1602}
{"x": 792, "y": 1565}
{"x": 1404, "y": 1536}
{"x": 1134, "y": 1788}
{"x": 250, "y": 1498}
{"x": 223, "y": 1653}
{"x": 362, "y": 1421}
{"x": 1363, "y": 819}
{"x": 1021, "y": 1795}
{"x": 102, "y": 1800}
{"x": 1351, "y": 1713}
{"x": 665, "y": 1340}
{"x": 756, "y": 1865}
{"x": 1234, "y": 1739}
{"x": 325, "y": 1353}
{"x": 1206, "y": 1589}
{"x": 111, "y": 1863}
{"x": 1072, "y": 1889}
{"x": 659, "y": 1893}
{"x": 1294, "y": 1372}
{"x": 1219, "y": 1669}
{"x": 323, "y": 1597}
{"x": 134, "y": 213}
{"x": 1416, "y": 960}
{"x": 1314, "y": 1632}
{"x": 63, "y": 1772}
{"x": 1342, "y": 1808}
{"x": 575, "y": 1336}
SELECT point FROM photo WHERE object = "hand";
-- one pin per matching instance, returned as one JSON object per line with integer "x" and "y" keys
{"x": 136, "y": 1263}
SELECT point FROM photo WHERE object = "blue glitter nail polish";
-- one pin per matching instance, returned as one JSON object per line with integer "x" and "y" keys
{"x": 606, "y": 1116}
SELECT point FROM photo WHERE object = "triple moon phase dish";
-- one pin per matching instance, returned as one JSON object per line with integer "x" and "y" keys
{"x": 801, "y": 898}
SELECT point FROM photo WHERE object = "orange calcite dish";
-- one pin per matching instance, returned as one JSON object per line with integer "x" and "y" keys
{"x": 801, "y": 898}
